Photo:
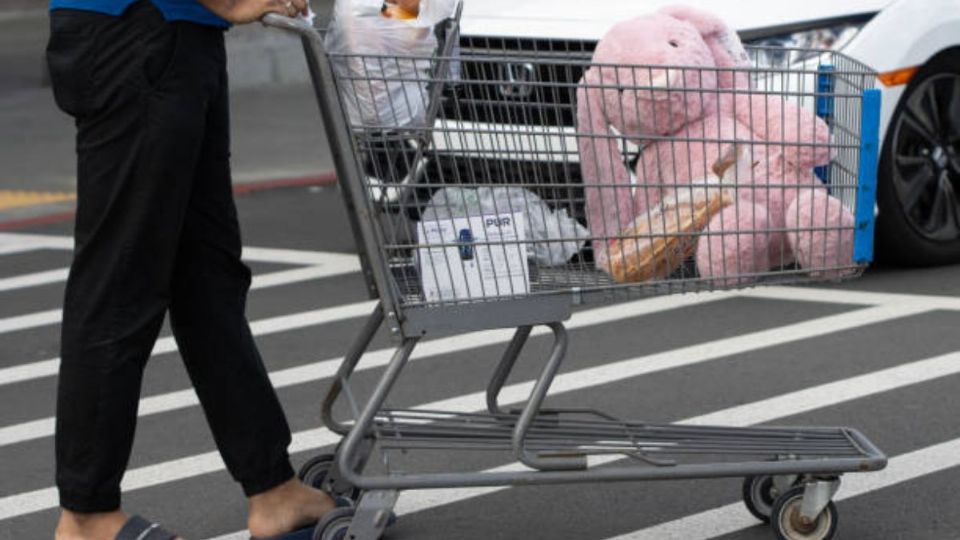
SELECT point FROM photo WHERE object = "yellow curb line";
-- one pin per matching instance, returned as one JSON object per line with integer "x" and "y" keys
{"x": 18, "y": 199}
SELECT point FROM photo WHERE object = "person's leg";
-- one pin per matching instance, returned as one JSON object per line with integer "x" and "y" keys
{"x": 137, "y": 144}
{"x": 207, "y": 313}
{"x": 84, "y": 470}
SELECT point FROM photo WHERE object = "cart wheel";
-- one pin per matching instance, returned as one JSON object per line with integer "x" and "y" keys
{"x": 314, "y": 472}
{"x": 334, "y": 525}
{"x": 760, "y": 493}
{"x": 788, "y": 524}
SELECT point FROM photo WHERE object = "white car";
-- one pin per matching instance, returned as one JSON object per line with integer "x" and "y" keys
{"x": 913, "y": 44}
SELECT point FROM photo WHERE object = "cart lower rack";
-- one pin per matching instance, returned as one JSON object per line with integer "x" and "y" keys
{"x": 487, "y": 211}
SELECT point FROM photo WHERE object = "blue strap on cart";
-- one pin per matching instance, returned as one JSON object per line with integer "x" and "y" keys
{"x": 865, "y": 217}
{"x": 825, "y": 108}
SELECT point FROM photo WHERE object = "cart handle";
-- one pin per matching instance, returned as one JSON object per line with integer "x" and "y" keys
{"x": 290, "y": 24}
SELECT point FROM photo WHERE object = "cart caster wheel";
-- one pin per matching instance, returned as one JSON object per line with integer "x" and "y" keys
{"x": 760, "y": 493}
{"x": 334, "y": 525}
{"x": 314, "y": 473}
{"x": 789, "y": 525}
{"x": 315, "y": 470}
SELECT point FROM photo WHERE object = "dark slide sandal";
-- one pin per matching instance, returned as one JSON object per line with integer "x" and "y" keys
{"x": 301, "y": 534}
{"x": 137, "y": 528}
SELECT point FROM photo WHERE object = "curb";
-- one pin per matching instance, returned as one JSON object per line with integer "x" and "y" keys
{"x": 324, "y": 179}
{"x": 48, "y": 219}
{"x": 246, "y": 188}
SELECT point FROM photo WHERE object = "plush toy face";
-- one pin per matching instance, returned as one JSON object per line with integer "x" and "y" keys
{"x": 635, "y": 99}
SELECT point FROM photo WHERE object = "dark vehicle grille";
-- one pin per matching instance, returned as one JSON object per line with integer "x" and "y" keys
{"x": 484, "y": 93}
{"x": 493, "y": 73}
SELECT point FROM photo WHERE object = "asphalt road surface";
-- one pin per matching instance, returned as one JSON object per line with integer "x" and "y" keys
{"x": 881, "y": 353}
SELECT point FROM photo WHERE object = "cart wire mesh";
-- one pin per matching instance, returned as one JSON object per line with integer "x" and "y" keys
{"x": 530, "y": 170}
{"x": 590, "y": 434}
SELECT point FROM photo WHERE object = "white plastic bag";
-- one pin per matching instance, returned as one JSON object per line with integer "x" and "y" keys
{"x": 384, "y": 86}
{"x": 554, "y": 236}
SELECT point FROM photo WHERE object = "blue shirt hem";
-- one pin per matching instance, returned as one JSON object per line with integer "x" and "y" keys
{"x": 173, "y": 10}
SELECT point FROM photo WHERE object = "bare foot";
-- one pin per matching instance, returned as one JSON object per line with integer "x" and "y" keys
{"x": 287, "y": 507}
{"x": 96, "y": 526}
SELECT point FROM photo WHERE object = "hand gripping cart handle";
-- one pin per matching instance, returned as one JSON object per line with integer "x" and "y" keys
{"x": 497, "y": 139}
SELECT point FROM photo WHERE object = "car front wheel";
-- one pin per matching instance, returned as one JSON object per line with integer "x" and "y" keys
{"x": 919, "y": 175}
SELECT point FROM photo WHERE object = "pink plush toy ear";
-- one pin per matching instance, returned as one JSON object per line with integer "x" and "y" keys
{"x": 605, "y": 177}
{"x": 724, "y": 43}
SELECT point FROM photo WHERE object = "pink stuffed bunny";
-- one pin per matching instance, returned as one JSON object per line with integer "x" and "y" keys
{"x": 684, "y": 115}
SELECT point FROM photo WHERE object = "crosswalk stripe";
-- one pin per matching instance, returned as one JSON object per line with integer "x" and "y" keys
{"x": 35, "y": 279}
{"x": 725, "y": 520}
{"x": 18, "y": 243}
{"x": 54, "y": 316}
{"x": 30, "y": 242}
{"x": 260, "y": 281}
{"x": 13, "y": 249}
{"x": 273, "y": 325}
{"x": 703, "y": 352}
{"x": 845, "y": 296}
{"x": 758, "y": 412}
{"x": 344, "y": 263}
{"x": 298, "y": 275}
{"x": 46, "y": 368}
{"x": 315, "y": 371}
{"x": 30, "y": 320}
{"x": 734, "y": 517}
{"x": 170, "y": 471}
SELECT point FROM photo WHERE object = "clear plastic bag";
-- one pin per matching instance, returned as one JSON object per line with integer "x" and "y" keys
{"x": 554, "y": 236}
{"x": 385, "y": 72}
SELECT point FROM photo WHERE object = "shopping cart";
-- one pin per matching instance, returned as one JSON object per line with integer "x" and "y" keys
{"x": 500, "y": 115}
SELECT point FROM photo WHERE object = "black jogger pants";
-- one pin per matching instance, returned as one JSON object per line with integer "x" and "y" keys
{"x": 156, "y": 230}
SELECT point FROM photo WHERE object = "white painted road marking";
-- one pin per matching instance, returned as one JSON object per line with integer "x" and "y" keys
{"x": 30, "y": 242}
{"x": 327, "y": 368}
{"x": 33, "y": 280}
{"x": 845, "y": 296}
{"x": 31, "y": 320}
{"x": 273, "y": 325}
{"x": 13, "y": 249}
{"x": 260, "y": 281}
{"x": 758, "y": 412}
{"x": 170, "y": 471}
{"x": 338, "y": 262}
{"x": 299, "y": 275}
{"x": 734, "y": 517}
{"x": 712, "y": 523}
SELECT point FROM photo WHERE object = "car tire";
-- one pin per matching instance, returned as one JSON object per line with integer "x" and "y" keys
{"x": 918, "y": 192}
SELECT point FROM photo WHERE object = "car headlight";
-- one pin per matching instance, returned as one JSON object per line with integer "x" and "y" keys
{"x": 833, "y": 37}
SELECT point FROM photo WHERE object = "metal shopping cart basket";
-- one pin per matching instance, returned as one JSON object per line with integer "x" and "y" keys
{"x": 485, "y": 226}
